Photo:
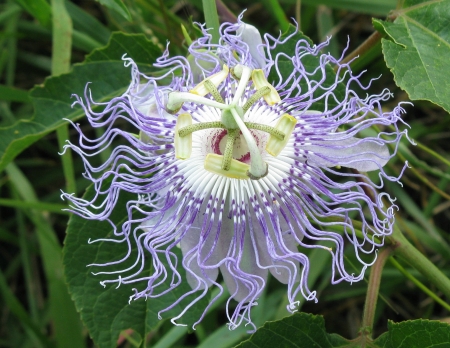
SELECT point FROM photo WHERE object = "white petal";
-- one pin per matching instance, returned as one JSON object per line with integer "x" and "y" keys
{"x": 191, "y": 241}
{"x": 282, "y": 270}
{"x": 251, "y": 36}
{"x": 360, "y": 154}
{"x": 248, "y": 269}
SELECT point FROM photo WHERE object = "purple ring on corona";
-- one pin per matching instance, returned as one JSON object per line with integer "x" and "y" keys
{"x": 242, "y": 173}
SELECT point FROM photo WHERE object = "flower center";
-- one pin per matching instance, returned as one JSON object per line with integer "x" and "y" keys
{"x": 235, "y": 145}
{"x": 241, "y": 151}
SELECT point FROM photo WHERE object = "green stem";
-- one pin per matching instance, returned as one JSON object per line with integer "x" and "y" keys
{"x": 366, "y": 46}
{"x": 61, "y": 52}
{"x": 404, "y": 249}
{"x": 38, "y": 205}
{"x": 211, "y": 19}
{"x": 373, "y": 289}
{"x": 419, "y": 284}
{"x": 16, "y": 308}
{"x": 424, "y": 179}
{"x": 25, "y": 255}
{"x": 67, "y": 159}
{"x": 298, "y": 14}
{"x": 66, "y": 323}
{"x": 433, "y": 153}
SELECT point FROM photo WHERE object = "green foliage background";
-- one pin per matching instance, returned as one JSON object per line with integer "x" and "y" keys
{"x": 51, "y": 49}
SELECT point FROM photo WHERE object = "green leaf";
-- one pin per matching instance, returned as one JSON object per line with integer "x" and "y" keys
{"x": 417, "y": 48}
{"x": 39, "y": 9}
{"x": 310, "y": 64}
{"x": 13, "y": 94}
{"x": 301, "y": 330}
{"x": 107, "y": 311}
{"x": 52, "y": 102}
{"x": 117, "y": 6}
{"x": 378, "y": 7}
{"x": 88, "y": 24}
{"x": 415, "y": 334}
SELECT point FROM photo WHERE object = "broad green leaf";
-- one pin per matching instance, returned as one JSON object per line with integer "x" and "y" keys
{"x": 103, "y": 68}
{"x": 107, "y": 311}
{"x": 117, "y": 6}
{"x": 415, "y": 334}
{"x": 310, "y": 64}
{"x": 417, "y": 49}
{"x": 301, "y": 330}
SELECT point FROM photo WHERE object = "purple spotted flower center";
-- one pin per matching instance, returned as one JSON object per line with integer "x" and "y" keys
{"x": 216, "y": 142}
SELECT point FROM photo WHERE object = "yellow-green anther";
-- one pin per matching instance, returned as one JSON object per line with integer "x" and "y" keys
{"x": 285, "y": 124}
{"x": 183, "y": 144}
{"x": 255, "y": 97}
{"x": 228, "y": 153}
{"x": 199, "y": 126}
{"x": 267, "y": 129}
{"x": 237, "y": 170}
{"x": 259, "y": 80}
{"x": 216, "y": 79}
{"x": 214, "y": 91}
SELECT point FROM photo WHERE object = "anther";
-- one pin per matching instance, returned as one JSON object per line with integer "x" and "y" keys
{"x": 183, "y": 144}
{"x": 286, "y": 125}
{"x": 237, "y": 170}
{"x": 259, "y": 80}
{"x": 215, "y": 79}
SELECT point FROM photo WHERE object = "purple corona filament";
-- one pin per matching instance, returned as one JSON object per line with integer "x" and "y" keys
{"x": 240, "y": 228}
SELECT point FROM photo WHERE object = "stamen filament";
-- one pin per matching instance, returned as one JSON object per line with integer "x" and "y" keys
{"x": 255, "y": 97}
{"x": 214, "y": 91}
{"x": 265, "y": 128}
{"x": 228, "y": 153}
{"x": 258, "y": 168}
{"x": 199, "y": 126}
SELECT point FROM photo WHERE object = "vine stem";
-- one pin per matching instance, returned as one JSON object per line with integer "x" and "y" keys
{"x": 373, "y": 289}
{"x": 404, "y": 249}
{"x": 370, "y": 42}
